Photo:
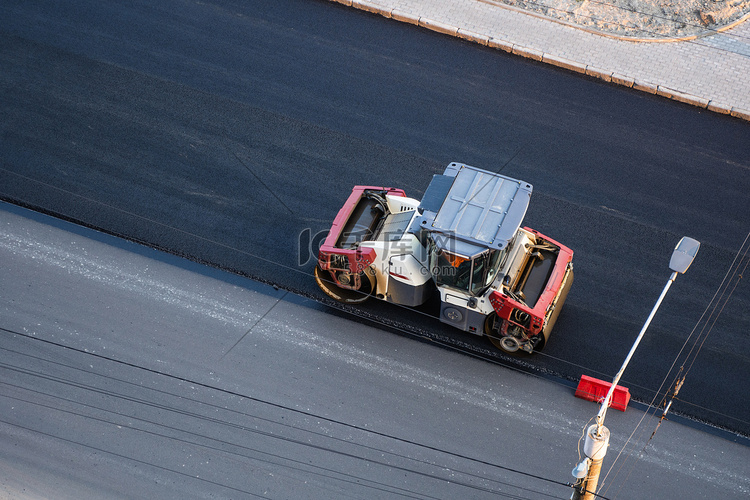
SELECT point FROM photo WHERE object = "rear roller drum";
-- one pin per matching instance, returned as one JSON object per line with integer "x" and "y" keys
{"x": 345, "y": 295}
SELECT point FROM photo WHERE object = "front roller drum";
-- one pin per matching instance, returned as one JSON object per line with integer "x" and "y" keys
{"x": 345, "y": 295}
{"x": 509, "y": 343}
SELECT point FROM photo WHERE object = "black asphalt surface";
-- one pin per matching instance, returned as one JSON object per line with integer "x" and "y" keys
{"x": 231, "y": 132}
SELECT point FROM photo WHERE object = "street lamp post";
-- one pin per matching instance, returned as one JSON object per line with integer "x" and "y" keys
{"x": 597, "y": 435}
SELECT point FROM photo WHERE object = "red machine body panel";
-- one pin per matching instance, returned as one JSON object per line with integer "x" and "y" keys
{"x": 357, "y": 259}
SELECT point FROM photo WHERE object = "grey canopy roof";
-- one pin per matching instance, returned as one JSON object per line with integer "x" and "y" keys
{"x": 475, "y": 206}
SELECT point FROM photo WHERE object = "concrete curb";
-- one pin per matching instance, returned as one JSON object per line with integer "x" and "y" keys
{"x": 537, "y": 55}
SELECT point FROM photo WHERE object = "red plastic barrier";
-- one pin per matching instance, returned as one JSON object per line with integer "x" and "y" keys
{"x": 593, "y": 389}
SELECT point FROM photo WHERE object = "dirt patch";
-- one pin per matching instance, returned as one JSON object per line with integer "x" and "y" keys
{"x": 649, "y": 19}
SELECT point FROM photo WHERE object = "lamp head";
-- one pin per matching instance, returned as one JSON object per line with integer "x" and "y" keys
{"x": 683, "y": 254}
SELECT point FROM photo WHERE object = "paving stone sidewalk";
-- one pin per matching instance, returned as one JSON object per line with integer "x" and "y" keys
{"x": 711, "y": 71}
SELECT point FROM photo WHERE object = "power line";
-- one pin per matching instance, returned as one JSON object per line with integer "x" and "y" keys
{"x": 130, "y": 458}
{"x": 350, "y": 311}
{"x": 330, "y": 303}
{"x": 738, "y": 274}
{"x": 139, "y": 400}
{"x": 692, "y": 355}
{"x": 701, "y": 344}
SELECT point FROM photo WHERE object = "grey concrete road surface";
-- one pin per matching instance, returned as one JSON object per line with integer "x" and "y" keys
{"x": 129, "y": 373}
{"x": 231, "y": 132}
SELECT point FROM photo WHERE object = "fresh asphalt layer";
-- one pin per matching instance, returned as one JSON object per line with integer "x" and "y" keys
{"x": 231, "y": 132}
{"x": 131, "y": 373}
{"x": 709, "y": 70}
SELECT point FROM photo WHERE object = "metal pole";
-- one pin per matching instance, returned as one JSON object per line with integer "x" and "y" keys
{"x": 597, "y": 435}
{"x": 607, "y": 400}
